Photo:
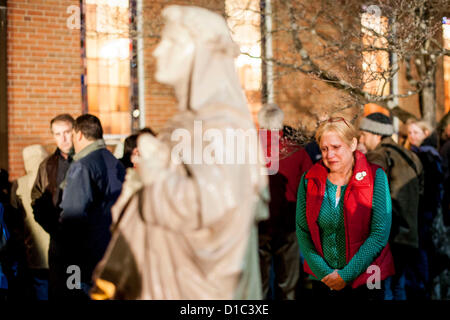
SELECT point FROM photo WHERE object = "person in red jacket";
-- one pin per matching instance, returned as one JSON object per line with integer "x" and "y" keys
{"x": 287, "y": 162}
{"x": 344, "y": 216}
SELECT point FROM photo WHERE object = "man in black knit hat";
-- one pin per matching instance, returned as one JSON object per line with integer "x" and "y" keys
{"x": 405, "y": 174}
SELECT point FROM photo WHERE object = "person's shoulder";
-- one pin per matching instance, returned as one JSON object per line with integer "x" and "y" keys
{"x": 93, "y": 156}
{"x": 303, "y": 184}
{"x": 76, "y": 167}
{"x": 446, "y": 145}
{"x": 379, "y": 177}
{"x": 302, "y": 151}
{"x": 97, "y": 158}
{"x": 388, "y": 144}
{"x": 378, "y": 156}
{"x": 296, "y": 152}
{"x": 304, "y": 179}
{"x": 379, "y": 151}
{"x": 399, "y": 148}
{"x": 109, "y": 155}
{"x": 413, "y": 155}
{"x": 445, "y": 149}
{"x": 380, "y": 173}
{"x": 51, "y": 157}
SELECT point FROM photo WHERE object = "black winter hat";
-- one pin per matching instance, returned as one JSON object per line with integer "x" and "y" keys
{"x": 377, "y": 123}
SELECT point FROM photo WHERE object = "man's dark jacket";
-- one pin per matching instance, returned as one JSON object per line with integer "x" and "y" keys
{"x": 405, "y": 175}
{"x": 45, "y": 200}
{"x": 92, "y": 186}
{"x": 445, "y": 154}
{"x": 46, "y": 194}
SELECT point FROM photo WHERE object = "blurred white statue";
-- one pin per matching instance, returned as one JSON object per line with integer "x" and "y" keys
{"x": 191, "y": 228}
{"x": 37, "y": 240}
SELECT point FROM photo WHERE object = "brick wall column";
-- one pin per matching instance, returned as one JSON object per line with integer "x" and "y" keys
{"x": 44, "y": 69}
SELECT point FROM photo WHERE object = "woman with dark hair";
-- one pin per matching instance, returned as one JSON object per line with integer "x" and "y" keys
{"x": 130, "y": 145}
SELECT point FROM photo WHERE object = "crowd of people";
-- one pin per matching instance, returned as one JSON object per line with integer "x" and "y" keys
{"x": 351, "y": 214}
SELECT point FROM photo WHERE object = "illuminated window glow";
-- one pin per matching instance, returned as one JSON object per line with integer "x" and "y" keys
{"x": 375, "y": 62}
{"x": 108, "y": 64}
{"x": 244, "y": 22}
{"x": 446, "y": 37}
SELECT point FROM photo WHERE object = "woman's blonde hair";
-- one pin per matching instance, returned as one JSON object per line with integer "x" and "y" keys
{"x": 423, "y": 125}
{"x": 344, "y": 129}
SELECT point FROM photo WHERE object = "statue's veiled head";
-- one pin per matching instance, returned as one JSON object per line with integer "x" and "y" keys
{"x": 194, "y": 42}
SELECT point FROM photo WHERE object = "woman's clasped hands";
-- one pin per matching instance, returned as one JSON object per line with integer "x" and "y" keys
{"x": 334, "y": 281}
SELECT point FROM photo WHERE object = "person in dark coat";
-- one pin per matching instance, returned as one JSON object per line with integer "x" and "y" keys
{"x": 424, "y": 143}
{"x": 445, "y": 231}
{"x": 93, "y": 184}
{"x": 12, "y": 252}
{"x": 5, "y": 187}
{"x": 46, "y": 196}
{"x": 444, "y": 151}
{"x": 405, "y": 175}
{"x": 277, "y": 238}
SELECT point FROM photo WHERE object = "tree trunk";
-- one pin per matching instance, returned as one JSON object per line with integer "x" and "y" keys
{"x": 428, "y": 103}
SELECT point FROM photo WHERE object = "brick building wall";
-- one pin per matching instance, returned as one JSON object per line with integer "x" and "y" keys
{"x": 160, "y": 101}
{"x": 44, "y": 68}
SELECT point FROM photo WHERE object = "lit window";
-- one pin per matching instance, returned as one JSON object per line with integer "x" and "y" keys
{"x": 244, "y": 22}
{"x": 375, "y": 62}
{"x": 446, "y": 30}
{"x": 107, "y": 62}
